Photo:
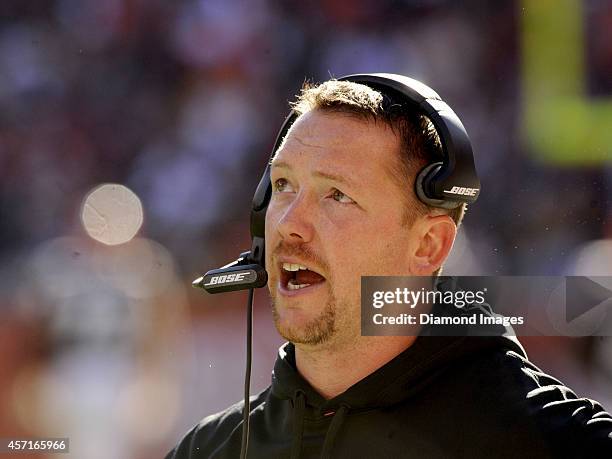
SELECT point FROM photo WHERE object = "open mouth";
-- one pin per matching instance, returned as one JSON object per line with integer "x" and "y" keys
{"x": 296, "y": 276}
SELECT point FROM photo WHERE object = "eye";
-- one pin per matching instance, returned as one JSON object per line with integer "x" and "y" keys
{"x": 339, "y": 196}
{"x": 281, "y": 185}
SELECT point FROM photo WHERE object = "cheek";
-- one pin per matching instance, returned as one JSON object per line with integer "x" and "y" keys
{"x": 349, "y": 248}
{"x": 271, "y": 217}
{"x": 372, "y": 248}
{"x": 268, "y": 229}
{"x": 271, "y": 238}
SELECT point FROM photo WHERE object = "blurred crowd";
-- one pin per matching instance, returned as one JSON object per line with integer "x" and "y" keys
{"x": 180, "y": 101}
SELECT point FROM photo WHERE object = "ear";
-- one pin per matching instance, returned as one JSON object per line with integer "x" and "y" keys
{"x": 436, "y": 234}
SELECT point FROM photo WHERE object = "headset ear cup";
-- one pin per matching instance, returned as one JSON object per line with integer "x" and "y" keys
{"x": 422, "y": 181}
{"x": 263, "y": 191}
{"x": 423, "y": 190}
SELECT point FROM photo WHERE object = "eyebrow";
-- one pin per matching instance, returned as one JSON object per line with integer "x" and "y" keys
{"x": 321, "y": 174}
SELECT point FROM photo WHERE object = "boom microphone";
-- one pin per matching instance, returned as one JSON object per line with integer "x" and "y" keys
{"x": 240, "y": 274}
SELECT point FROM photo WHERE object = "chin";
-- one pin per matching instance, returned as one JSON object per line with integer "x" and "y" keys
{"x": 292, "y": 317}
{"x": 302, "y": 326}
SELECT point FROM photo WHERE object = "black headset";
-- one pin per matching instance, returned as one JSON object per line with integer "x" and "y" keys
{"x": 446, "y": 184}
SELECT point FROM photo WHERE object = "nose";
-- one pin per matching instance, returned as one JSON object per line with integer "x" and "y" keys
{"x": 295, "y": 223}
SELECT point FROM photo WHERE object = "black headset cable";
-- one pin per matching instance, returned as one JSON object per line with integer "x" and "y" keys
{"x": 247, "y": 378}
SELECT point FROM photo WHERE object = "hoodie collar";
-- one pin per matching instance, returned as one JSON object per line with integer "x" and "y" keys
{"x": 397, "y": 380}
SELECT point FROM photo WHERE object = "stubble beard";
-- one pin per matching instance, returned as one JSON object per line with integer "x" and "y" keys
{"x": 317, "y": 331}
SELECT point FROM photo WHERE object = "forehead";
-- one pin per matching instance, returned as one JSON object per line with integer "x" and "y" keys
{"x": 340, "y": 143}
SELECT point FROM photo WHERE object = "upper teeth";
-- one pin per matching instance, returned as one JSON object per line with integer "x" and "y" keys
{"x": 293, "y": 267}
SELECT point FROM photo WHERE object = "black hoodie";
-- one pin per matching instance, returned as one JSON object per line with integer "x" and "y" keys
{"x": 444, "y": 397}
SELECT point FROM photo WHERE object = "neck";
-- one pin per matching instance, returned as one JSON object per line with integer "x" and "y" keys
{"x": 332, "y": 370}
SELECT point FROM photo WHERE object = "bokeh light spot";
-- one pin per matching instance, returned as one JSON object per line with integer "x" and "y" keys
{"x": 112, "y": 214}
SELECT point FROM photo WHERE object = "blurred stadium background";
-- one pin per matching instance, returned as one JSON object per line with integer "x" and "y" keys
{"x": 177, "y": 104}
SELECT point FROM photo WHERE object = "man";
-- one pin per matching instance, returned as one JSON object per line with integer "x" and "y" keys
{"x": 342, "y": 207}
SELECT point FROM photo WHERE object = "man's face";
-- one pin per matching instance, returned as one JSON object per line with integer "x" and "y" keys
{"x": 336, "y": 211}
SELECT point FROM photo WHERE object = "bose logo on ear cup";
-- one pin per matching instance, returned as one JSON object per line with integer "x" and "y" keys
{"x": 464, "y": 191}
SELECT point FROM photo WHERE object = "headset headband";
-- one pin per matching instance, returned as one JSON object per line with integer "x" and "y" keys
{"x": 445, "y": 184}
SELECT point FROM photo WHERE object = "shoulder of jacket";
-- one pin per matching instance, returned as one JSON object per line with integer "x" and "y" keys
{"x": 233, "y": 413}
{"x": 570, "y": 424}
{"x": 215, "y": 428}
